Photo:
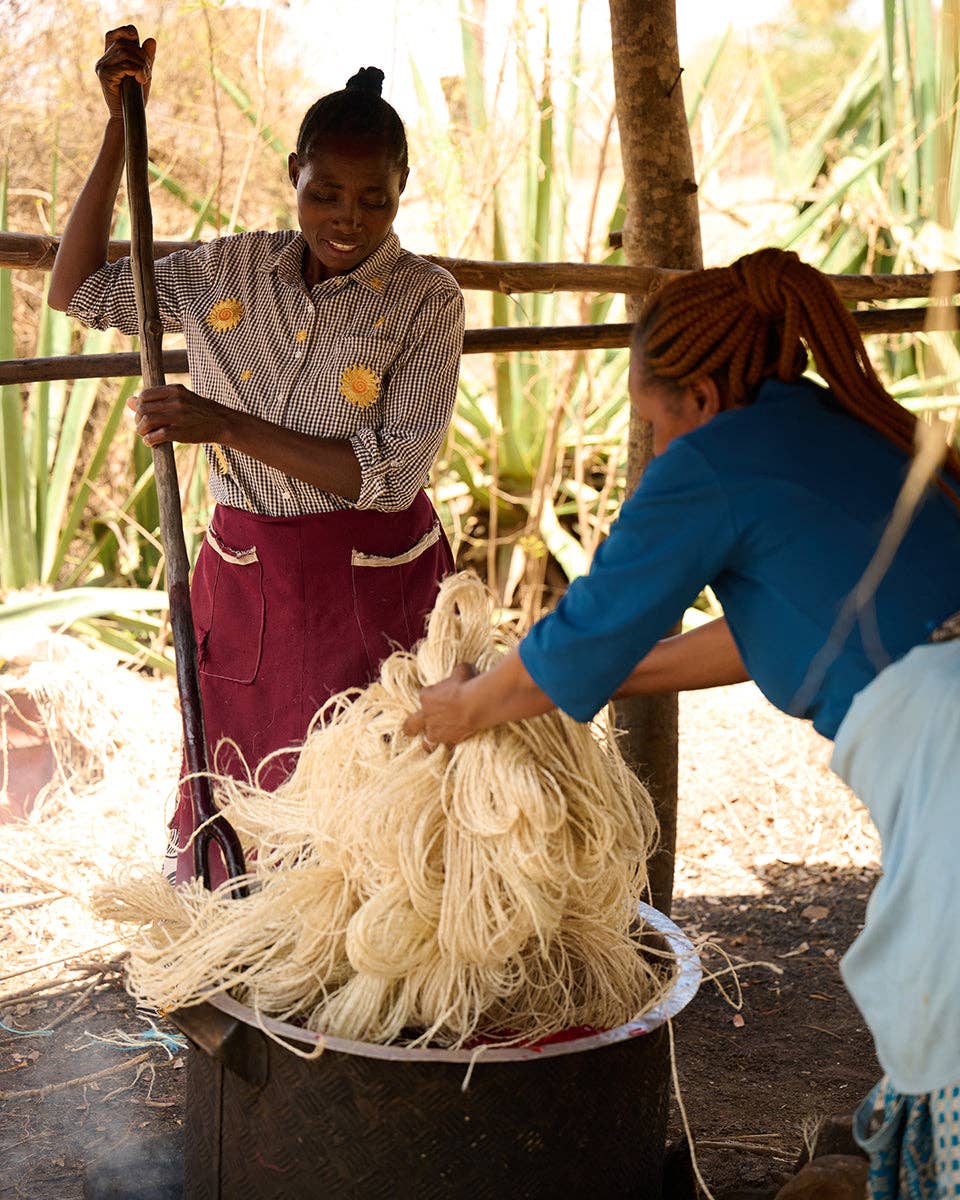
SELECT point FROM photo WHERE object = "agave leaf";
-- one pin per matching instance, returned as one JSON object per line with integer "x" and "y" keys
{"x": 73, "y": 430}
{"x": 732, "y": 130}
{"x": 470, "y": 411}
{"x": 123, "y": 635}
{"x": 27, "y": 616}
{"x": 200, "y": 204}
{"x": 144, "y": 484}
{"x": 203, "y": 216}
{"x": 18, "y": 565}
{"x": 946, "y": 161}
{"x": 925, "y": 93}
{"x": 777, "y": 129}
{"x": 469, "y": 441}
{"x": 466, "y": 473}
{"x": 915, "y": 386}
{"x": 61, "y": 520}
{"x": 67, "y": 527}
{"x": 246, "y": 106}
{"x": 47, "y": 398}
{"x": 545, "y": 181}
{"x": 561, "y": 543}
{"x": 857, "y": 100}
{"x": 700, "y": 89}
{"x": 912, "y": 178}
{"x": 573, "y": 91}
{"x": 45, "y": 408}
{"x": 509, "y": 375}
{"x": 806, "y": 220}
{"x": 471, "y": 42}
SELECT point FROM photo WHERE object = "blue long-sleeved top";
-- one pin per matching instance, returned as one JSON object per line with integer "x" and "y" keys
{"x": 779, "y": 507}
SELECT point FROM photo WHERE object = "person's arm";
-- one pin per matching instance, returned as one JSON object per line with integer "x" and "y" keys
{"x": 175, "y": 414}
{"x": 380, "y": 466}
{"x": 704, "y": 657}
{"x": 83, "y": 246}
{"x": 464, "y": 703}
{"x": 396, "y": 454}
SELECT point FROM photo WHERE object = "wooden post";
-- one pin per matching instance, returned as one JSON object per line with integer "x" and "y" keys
{"x": 662, "y": 229}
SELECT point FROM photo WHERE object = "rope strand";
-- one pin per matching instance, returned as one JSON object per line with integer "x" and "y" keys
{"x": 486, "y": 890}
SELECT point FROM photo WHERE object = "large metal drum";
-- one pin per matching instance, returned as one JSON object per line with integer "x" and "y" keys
{"x": 365, "y": 1121}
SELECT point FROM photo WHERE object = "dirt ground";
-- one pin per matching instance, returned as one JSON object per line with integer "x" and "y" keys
{"x": 775, "y": 863}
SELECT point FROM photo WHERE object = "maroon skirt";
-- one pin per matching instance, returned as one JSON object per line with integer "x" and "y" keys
{"x": 288, "y": 611}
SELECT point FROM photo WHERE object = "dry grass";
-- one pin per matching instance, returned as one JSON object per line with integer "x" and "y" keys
{"x": 115, "y": 736}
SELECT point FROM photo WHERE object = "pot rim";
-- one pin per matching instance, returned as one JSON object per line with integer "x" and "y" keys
{"x": 684, "y": 988}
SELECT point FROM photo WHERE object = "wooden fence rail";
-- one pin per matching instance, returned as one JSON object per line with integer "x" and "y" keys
{"x": 31, "y": 252}
{"x": 476, "y": 341}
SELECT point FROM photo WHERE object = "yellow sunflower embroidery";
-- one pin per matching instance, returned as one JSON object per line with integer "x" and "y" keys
{"x": 226, "y": 314}
{"x": 245, "y": 375}
{"x": 222, "y": 466}
{"x": 359, "y": 385}
{"x": 301, "y": 335}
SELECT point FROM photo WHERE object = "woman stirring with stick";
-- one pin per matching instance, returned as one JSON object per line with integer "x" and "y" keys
{"x": 325, "y": 365}
{"x": 776, "y": 492}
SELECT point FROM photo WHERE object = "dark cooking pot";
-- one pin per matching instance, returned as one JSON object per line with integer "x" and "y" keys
{"x": 366, "y": 1121}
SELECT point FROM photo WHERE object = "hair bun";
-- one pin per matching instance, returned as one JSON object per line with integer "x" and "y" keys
{"x": 367, "y": 79}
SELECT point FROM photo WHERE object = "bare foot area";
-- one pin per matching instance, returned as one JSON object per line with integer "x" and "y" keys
{"x": 775, "y": 863}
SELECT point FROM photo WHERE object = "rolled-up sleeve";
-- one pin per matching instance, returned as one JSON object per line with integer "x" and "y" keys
{"x": 673, "y": 535}
{"x": 396, "y": 455}
{"x": 107, "y": 300}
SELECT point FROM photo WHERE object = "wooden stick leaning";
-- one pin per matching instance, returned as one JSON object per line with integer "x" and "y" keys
{"x": 215, "y": 828}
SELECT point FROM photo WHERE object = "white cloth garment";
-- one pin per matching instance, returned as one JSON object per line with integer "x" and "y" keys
{"x": 899, "y": 749}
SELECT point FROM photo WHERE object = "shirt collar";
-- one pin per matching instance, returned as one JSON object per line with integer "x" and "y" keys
{"x": 373, "y": 273}
{"x": 773, "y": 389}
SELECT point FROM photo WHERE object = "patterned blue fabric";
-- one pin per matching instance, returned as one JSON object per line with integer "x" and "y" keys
{"x": 945, "y": 1118}
{"x": 896, "y": 1132}
{"x": 913, "y": 1143}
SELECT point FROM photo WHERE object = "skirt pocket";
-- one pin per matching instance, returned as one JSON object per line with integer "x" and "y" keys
{"x": 392, "y": 595}
{"x": 228, "y": 610}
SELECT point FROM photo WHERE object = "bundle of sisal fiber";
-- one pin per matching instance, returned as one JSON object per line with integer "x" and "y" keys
{"x": 399, "y": 894}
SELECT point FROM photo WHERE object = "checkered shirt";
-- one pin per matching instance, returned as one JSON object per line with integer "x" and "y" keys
{"x": 371, "y": 357}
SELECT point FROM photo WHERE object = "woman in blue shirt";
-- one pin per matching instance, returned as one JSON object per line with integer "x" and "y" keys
{"x": 776, "y": 491}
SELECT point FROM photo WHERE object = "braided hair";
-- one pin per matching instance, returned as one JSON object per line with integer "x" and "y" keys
{"x": 748, "y": 322}
{"x": 356, "y": 111}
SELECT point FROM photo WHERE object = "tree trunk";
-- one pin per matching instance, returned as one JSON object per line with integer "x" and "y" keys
{"x": 662, "y": 229}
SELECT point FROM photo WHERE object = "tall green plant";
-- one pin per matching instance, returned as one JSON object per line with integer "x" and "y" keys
{"x": 880, "y": 167}
{"x": 519, "y": 429}
{"x": 60, "y": 523}
{"x": 17, "y": 552}
{"x": 875, "y": 188}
